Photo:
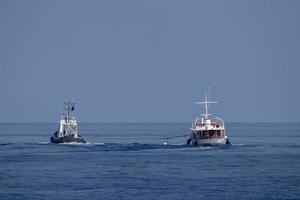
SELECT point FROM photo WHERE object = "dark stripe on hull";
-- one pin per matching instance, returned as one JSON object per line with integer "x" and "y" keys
{"x": 197, "y": 142}
{"x": 67, "y": 139}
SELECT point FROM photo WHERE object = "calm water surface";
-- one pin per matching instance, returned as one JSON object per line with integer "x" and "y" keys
{"x": 129, "y": 161}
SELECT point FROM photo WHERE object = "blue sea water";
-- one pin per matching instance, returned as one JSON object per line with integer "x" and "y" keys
{"x": 129, "y": 161}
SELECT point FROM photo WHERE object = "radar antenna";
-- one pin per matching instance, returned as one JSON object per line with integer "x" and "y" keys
{"x": 69, "y": 107}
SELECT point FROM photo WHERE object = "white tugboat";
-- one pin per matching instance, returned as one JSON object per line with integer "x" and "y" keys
{"x": 208, "y": 130}
{"x": 67, "y": 131}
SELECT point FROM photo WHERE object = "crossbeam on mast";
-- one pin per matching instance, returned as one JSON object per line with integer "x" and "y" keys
{"x": 206, "y": 104}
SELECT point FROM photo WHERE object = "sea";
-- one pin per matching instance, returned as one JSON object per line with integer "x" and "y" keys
{"x": 130, "y": 161}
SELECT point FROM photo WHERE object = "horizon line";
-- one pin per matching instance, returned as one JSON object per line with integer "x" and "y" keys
{"x": 144, "y": 122}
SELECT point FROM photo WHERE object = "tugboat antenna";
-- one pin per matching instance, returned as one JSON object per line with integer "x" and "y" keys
{"x": 69, "y": 107}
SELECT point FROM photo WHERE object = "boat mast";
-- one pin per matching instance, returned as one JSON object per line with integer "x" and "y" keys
{"x": 206, "y": 103}
{"x": 69, "y": 107}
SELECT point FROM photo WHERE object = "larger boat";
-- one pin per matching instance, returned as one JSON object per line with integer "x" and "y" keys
{"x": 67, "y": 131}
{"x": 208, "y": 130}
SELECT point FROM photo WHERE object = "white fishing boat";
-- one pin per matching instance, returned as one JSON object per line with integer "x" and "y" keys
{"x": 208, "y": 130}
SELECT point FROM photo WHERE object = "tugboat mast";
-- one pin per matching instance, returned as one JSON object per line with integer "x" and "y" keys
{"x": 69, "y": 107}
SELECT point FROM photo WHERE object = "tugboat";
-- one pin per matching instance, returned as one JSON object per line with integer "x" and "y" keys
{"x": 67, "y": 131}
{"x": 208, "y": 131}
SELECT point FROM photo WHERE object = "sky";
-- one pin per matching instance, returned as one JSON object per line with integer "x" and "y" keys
{"x": 149, "y": 61}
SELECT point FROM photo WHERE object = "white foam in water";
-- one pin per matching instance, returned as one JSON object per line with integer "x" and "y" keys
{"x": 83, "y": 144}
{"x": 44, "y": 142}
{"x": 76, "y": 143}
{"x": 201, "y": 148}
{"x": 98, "y": 143}
{"x": 237, "y": 144}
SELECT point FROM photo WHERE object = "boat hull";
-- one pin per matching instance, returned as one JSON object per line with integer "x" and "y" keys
{"x": 208, "y": 142}
{"x": 67, "y": 139}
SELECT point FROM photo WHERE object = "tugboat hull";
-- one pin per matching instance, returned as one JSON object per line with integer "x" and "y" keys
{"x": 67, "y": 130}
{"x": 67, "y": 139}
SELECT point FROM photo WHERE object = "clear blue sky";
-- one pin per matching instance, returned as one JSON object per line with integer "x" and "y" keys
{"x": 148, "y": 61}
